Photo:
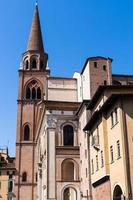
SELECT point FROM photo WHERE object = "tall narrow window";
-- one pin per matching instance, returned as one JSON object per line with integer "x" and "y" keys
{"x": 118, "y": 149}
{"x": 34, "y": 64}
{"x": 68, "y": 135}
{"x": 10, "y": 186}
{"x": 24, "y": 177}
{"x": 116, "y": 115}
{"x": 27, "y": 64}
{"x": 95, "y": 64}
{"x": 86, "y": 172}
{"x": 112, "y": 120}
{"x": 33, "y": 93}
{"x": 102, "y": 161}
{"x": 28, "y": 93}
{"x": 41, "y": 65}
{"x": 97, "y": 167}
{"x": 26, "y": 133}
{"x": 111, "y": 154}
{"x": 85, "y": 153}
{"x": 98, "y": 133}
{"x": 38, "y": 93}
{"x": 92, "y": 166}
{"x": 105, "y": 82}
{"x": 104, "y": 67}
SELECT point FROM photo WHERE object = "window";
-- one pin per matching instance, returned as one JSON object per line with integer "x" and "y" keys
{"x": 104, "y": 67}
{"x": 118, "y": 149}
{"x": 86, "y": 172}
{"x": 116, "y": 115}
{"x": 34, "y": 64}
{"x": 41, "y": 65}
{"x": 116, "y": 82}
{"x": 26, "y": 133}
{"x": 38, "y": 93}
{"x": 68, "y": 135}
{"x": 102, "y": 160}
{"x": 26, "y": 64}
{"x": 85, "y": 153}
{"x": 24, "y": 177}
{"x": 36, "y": 177}
{"x": 10, "y": 186}
{"x": 111, "y": 154}
{"x": 33, "y": 91}
{"x": 92, "y": 166}
{"x": 70, "y": 193}
{"x": 68, "y": 171}
{"x": 95, "y": 64}
{"x": 112, "y": 119}
{"x": 28, "y": 93}
{"x": 105, "y": 82}
{"x": 2, "y": 159}
{"x": 98, "y": 132}
{"x": 97, "y": 167}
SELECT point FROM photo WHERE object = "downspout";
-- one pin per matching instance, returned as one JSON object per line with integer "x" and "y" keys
{"x": 89, "y": 166}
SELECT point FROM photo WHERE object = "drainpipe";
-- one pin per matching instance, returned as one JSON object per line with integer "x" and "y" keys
{"x": 89, "y": 168}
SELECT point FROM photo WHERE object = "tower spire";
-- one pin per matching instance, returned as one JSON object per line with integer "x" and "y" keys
{"x": 35, "y": 40}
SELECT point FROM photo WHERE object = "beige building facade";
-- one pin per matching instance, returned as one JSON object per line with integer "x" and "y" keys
{"x": 73, "y": 134}
{"x": 7, "y": 175}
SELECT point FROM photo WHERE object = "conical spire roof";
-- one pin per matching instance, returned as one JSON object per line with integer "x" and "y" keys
{"x": 35, "y": 40}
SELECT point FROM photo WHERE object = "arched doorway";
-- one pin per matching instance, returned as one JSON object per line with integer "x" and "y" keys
{"x": 70, "y": 194}
{"x": 118, "y": 194}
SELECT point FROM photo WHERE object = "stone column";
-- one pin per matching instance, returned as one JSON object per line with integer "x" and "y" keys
{"x": 51, "y": 158}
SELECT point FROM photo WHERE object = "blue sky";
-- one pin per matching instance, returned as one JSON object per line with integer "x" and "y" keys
{"x": 72, "y": 30}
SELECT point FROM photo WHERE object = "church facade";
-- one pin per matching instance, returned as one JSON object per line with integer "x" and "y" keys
{"x": 54, "y": 150}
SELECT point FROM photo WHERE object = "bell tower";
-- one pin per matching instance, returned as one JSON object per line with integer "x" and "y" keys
{"x": 32, "y": 89}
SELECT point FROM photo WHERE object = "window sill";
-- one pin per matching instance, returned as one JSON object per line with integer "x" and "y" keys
{"x": 112, "y": 162}
{"x": 119, "y": 158}
{"x": 114, "y": 125}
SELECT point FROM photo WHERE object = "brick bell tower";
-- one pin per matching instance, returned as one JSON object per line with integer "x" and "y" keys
{"x": 32, "y": 82}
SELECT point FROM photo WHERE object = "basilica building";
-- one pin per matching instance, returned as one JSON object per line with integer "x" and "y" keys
{"x": 74, "y": 135}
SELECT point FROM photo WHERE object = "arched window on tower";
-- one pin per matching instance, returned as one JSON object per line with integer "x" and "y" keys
{"x": 26, "y": 133}
{"x": 27, "y": 64}
{"x": 24, "y": 177}
{"x": 28, "y": 93}
{"x": 41, "y": 64}
{"x": 38, "y": 93}
{"x": 34, "y": 64}
{"x": 68, "y": 135}
{"x": 33, "y": 93}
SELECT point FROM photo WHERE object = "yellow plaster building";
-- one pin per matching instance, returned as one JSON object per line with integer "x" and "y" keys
{"x": 7, "y": 174}
{"x": 110, "y": 138}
